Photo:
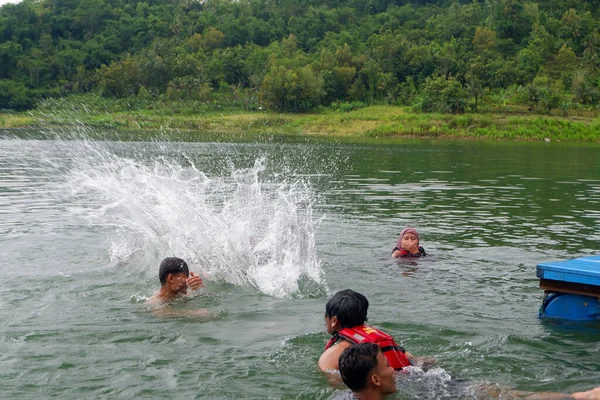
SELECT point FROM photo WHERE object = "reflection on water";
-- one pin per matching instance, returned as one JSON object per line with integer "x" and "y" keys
{"x": 275, "y": 228}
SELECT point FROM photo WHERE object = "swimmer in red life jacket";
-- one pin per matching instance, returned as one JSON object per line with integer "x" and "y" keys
{"x": 345, "y": 317}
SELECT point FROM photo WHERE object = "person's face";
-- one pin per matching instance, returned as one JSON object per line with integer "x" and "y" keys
{"x": 408, "y": 240}
{"x": 179, "y": 282}
{"x": 385, "y": 374}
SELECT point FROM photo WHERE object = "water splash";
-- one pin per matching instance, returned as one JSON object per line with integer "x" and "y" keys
{"x": 238, "y": 226}
{"x": 435, "y": 383}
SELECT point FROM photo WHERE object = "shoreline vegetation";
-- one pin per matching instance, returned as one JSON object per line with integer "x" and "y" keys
{"x": 346, "y": 120}
{"x": 355, "y": 69}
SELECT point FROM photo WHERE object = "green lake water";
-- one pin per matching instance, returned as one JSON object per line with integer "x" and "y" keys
{"x": 275, "y": 228}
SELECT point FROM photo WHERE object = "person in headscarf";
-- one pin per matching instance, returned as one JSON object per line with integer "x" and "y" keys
{"x": 408, "y": 244}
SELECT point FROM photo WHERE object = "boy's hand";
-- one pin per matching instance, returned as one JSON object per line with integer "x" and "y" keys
{"x": 194, "y": 281}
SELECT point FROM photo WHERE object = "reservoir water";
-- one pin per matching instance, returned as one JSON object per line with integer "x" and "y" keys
{"x": 275, "y": 228}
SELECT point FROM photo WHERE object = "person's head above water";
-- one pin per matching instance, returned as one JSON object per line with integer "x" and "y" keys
{"x": 366, "y": 371}
{"x": 345, "y": 309}
{"x": 175, "y": 280}
{"x": 408, "y": 235}
{"x": 172, "y": 266}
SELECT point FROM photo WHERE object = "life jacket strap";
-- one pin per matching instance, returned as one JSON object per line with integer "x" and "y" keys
{"x": 390, "y": 348}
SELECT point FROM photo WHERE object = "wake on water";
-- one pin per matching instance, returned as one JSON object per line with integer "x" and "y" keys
{"x": 239, "y": 226}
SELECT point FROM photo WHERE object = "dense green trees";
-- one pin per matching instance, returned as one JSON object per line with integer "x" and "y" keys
{"x": 294, "y": 55}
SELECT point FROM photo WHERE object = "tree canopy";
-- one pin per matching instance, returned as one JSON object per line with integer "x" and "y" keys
{"x": 293, "y": 55}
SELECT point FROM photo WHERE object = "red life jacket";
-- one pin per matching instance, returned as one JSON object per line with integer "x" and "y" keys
{"x": 366, "y": 334}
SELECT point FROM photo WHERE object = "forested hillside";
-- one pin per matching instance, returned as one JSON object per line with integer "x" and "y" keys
{"x": 294, "y": 55}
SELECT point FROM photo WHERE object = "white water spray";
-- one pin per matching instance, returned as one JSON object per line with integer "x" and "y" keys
{"x": 235, "y": 227}
{"x": 239, "y": 225}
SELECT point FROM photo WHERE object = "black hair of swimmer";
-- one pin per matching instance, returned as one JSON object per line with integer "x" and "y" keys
{"x": 356, "y": 362}
{"x": 349, "y": 307}
{"x": 171, "y": 265}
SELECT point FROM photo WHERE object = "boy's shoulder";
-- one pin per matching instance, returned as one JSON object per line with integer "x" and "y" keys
{"x": 329, "y": 359}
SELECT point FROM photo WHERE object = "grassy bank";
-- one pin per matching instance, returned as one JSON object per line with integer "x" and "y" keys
{"x": 368, "y": 122}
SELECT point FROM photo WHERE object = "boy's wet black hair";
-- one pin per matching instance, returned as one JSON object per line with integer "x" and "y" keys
{"x": 349, "y": 307}
{"x": 172, "y": 265}
{"x": 356, "y": 362}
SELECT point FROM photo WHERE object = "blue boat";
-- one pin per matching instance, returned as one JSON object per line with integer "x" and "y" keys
{"x": 572, "y": 289}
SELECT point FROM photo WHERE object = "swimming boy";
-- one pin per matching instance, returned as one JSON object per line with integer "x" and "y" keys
{"x": 175, "y": 279}
{"x": 366, "y": 371}
{"x": 345, "y": 317}
{"x": 408, "y": 244}
{"x": 369, "y": 376}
